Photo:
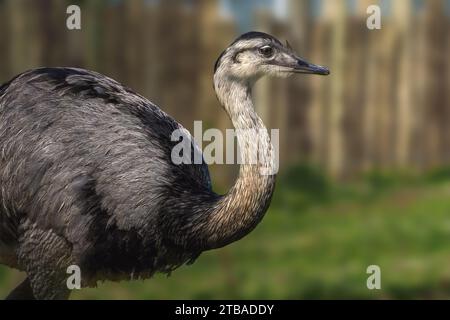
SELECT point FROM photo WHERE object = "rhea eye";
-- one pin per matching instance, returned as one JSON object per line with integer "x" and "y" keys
{"x": 266, "y": 51}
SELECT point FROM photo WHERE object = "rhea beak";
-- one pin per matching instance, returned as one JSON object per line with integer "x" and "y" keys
{"x": 303, "y": 66}
{"x": 298, "y": 65}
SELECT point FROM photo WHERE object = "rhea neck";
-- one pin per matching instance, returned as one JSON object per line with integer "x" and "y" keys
{"x": 237, "y": 213}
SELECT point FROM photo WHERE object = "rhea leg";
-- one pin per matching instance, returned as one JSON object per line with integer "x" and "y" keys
{"x": 45, "y": 257}
{"x": 22, "y": 292}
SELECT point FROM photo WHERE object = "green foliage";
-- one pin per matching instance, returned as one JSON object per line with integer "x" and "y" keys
{"x": 440, "y": 174}
{"x": 380, "y": 180}
{"x": 307, "y": 179}
{"x": 302, "y": 186}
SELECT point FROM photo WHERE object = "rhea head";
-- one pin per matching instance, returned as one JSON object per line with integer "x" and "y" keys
{"x": 255, "y": 54}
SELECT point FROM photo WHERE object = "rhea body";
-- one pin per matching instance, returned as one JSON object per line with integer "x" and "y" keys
{"x": 86, "y": 176}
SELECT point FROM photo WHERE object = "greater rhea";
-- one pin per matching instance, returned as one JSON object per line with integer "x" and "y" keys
{"x": 87, "y": 179}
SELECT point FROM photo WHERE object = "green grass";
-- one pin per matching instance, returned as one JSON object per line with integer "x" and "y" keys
{"x": 317, "y": 247}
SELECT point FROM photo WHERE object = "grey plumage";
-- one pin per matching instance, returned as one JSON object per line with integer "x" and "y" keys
{"x": 77, "y": 161}
{"x": 86, "y": 178}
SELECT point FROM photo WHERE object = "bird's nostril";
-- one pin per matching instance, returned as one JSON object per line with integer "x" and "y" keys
{"x": 301, "y": 63}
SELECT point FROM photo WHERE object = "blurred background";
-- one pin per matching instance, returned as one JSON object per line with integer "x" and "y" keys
{"x": 364, "y": 153}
